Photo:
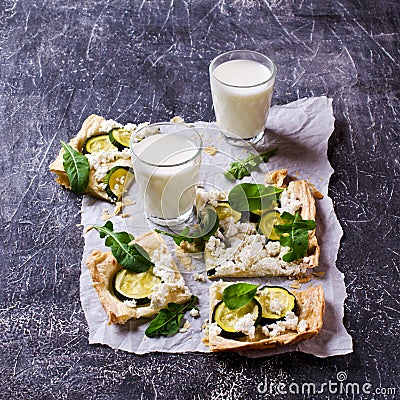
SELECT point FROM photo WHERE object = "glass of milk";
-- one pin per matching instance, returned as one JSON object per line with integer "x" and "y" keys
{"x": 166, "y": 161}
{"x": 242, "y": 82}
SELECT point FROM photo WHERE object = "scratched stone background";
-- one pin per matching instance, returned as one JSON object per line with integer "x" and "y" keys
{"x": 133, "y": 61}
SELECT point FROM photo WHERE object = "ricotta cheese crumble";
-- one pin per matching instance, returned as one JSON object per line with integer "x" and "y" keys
{"x": 243, "y": 250}
{"x": 289, "y": 202}
{"x": 169, "y": 284}
{"x": 291, "y": 323}
{"x": 98, "y": 161}
{"x": 246, "y": 325}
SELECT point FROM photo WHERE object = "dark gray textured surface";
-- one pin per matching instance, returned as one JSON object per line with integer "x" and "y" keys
{"x": 133, "y": 61}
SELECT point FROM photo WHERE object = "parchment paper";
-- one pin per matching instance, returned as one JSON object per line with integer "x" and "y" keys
{"x": 301, "y": 131}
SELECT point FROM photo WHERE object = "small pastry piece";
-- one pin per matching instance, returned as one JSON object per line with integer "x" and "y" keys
{"x": 302, "y": 324}
{"x": 93, "y": 141}
{"x": 276, "y": 178}
{"x": 246, "y": 249}
{"x": 163, "y": 282}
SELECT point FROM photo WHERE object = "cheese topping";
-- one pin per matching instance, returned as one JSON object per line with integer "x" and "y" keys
{"x": 170, "y": 284}
{"x": 98, "y": 161}
{"x": 214, "y": 329}
{"x": 244, "y": 250}
{"x": 209, "y": 197}
{"x": 246, "y": 325}
{"x": 109, "y": 124}
{"x": 130, "y": 303}
{"x": 289, "y": 202}
{"x": 291, "y": 323}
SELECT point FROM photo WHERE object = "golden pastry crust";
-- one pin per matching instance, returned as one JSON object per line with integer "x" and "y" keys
{"x": 90, "y": 127}
{"x": 276, "y": 178}
{"x": 103, "y": 266}
{"x": 310, "y": 306}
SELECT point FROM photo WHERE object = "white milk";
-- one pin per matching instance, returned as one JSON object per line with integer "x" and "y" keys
{"x": 169, "y": 185}
{"x": 241, "y": 96}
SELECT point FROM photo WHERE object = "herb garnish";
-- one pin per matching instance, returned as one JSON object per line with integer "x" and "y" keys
{"x": 129, "y": 255}
{"x": 167, "y": 321}
{"x": 208, "y": 225}
{"x": 238, "y": 295}
{"x": 294, "y": 234}
{"x": 77, "y": 167}
{"x": 252, "y": 196}
{"x": 241, "y": 168}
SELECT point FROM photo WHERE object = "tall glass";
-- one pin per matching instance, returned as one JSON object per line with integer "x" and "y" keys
{"x": 166, "y": 161}
{"x": 242, "y": 82}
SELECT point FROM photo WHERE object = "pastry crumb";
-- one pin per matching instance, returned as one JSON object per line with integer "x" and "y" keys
{"x": 185, "y": 260}
{"x": 304, "y": 280}
{"x": 199, "y": 277}
{"x": 295, "y": 285}
{"x": 177, "y": 120}
{"x": 211, "y": 151}
{"x": 319, "y": 274}
{"x": 105, "y": 215}
{"x": 128, "y": 202}
{"x": 185, "y": 327}
{"x": 118, "y": 207}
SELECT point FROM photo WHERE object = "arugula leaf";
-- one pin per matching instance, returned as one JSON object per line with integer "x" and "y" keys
{"x": 130, "y": 256}
{"x": 167, "y": 321}
{"x": 178, "y": 237}
{"x": 208, "y": 225}
{"x": 252, "y": 196}
{"x": 294, "y": 234}
{"x": 77, "y": 167}
{"x": 238, "y": 295}
{"x": 241, "y": 168}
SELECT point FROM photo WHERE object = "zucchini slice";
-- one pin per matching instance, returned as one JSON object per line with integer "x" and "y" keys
{"x": 267, "y": 222}
{"x": 120, "y": 138}
{"x": 275, "y": 301}
{"x": 115, "y": 180}
{"x": 226, "y": 318}
{"x": 129, "y": 285}
{"x": 97, "y": 143}
{"x": 224, "y": 210}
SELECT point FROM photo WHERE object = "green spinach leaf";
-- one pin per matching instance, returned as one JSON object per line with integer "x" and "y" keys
{"x": 238, "y": 295}
{"x": 293, "y": 233}
{"x": 208, "y": 224}
{"x": 241, "y": 168}
{"x": 252, "y": 196}
{"x": 77, "y": 167}
{"x": 167, "y": 322}
{"x": 178, "y": 237}
{"x": 130, "y": 256}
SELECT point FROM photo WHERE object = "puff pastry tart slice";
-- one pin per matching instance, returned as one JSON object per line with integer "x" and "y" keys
{"x": 273, "y": 317}
{"x": 105, "y": 143}
{"x": 127, "y": 295}
{"x": 246, "y": 243}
